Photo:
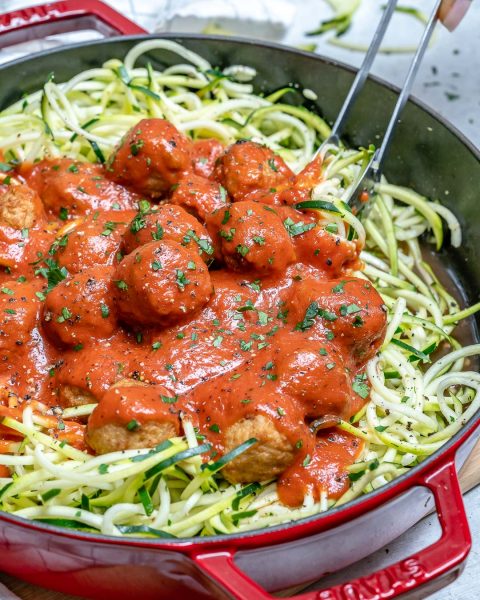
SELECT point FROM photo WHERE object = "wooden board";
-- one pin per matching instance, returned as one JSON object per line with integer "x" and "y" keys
{"x": 469, "y": 478}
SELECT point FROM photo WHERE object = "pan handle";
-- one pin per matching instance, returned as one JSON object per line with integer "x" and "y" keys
{"x": 40, "y": 21}
{"x": 430, "y": 568}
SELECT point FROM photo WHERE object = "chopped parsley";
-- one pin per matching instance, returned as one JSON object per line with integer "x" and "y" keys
{"x": 272, "y": 165}
{"x": 227, "y": 235}
{"x": 158, "y": 234}
{"x": 135, "y": 147}
{"x": 258, "y": 239}
{"x": 65, "y": 315}
{"x": 53, "y": 273}
{"x": 262, "y": 318}
{"x": 306, "y": 460}
{"x": 313, "y": 311}
{"x": 226, "y": 216}
{"x": 104, "y": 310}
{"x": 156, "y": 265}
{"x": 133, "y": 425}
{"x": 294, "y": 229}
{"x": 169, "y": 399}
{"x": 338, "y": 289}
{"x": 349, "y": 309}
{"x": 243, "y": 250}
{"x": 360, "y": 386}
{"x": 181, "y": 280}
{"x": 245, "y": 346}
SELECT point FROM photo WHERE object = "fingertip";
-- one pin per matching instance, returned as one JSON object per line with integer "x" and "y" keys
{"x": 455, "y": 15}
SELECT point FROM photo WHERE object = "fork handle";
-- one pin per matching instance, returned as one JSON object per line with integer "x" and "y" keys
{"x": 364, "y": 70}
{"x": 405, "y": 93}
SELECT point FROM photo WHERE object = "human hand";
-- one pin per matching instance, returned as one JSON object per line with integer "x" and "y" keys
{"x": 451, "y": 12}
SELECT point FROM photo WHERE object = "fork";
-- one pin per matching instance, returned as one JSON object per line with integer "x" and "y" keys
{"x": 361, "y": 194}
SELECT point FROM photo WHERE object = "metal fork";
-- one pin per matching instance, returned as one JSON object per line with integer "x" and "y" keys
{"x": 361, "y": 194}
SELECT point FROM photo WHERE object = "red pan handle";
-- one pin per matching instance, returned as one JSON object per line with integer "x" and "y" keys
{"x": 425, "y": 568}
{"x": 36, "y": 22}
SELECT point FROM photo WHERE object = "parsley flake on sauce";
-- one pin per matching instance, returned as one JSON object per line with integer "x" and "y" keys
{"x": 298, "y": 228}
{"x": 360, "y": 386}
{"x": 311, "y": 313}
{"x": 181, "y": 280}
{"x": 349, "y": 309}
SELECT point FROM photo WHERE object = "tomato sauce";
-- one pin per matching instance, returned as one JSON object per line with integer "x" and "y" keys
{"x": 180, "y": 281}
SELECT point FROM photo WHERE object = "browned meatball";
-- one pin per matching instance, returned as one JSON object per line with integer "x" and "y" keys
{"x": 82, "y": 376}
{"x": 81, "y": 307}
{"x": 159, "y": 283}
{"x": 71, "y": 189}
{"x": 315, "y": 374}
{"x": 71, "y": 395}
{"x": 251, "y": 236}
{"x": 247, "y": 166}
{"x": 204, "y": 156}
{"x": 316, "y": 246}
{"x": 20, "y": 206}
{"x": 267, "y": 459}
{"x": 168, "y": 222}
{"x": 198, "y": 195}
{"x": 133, "y": 416}
{"x": 151, "y": 157}
{"x": 93, "y": 242}
{"x": 19, "y": 307}
{"x": 349, "y": 312}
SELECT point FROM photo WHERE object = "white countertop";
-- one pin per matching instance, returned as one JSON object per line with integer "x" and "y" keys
{"x": 449, "y": 82}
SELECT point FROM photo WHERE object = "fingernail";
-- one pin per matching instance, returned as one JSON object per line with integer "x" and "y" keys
{"x": 456, "y": 14}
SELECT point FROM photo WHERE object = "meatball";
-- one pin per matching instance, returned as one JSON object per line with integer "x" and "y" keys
{"x": 315, "y": 374}
{"x": 267, "y": 459}
{"x": 204, "y": 156}
{"x": 250, "y": 236}
{"x": 20, "y": 206}
{"x": 349, "y": 312}
{"x": 151, "y": 157}
{"x": 80, "y": 308}
{"x": 168, "y": 222}
{"x": 198, "y": 195}
{"x": 71, "y": 395}
{"x": 70, "y": 188}
{"x": 159, "y": 283}
{"x": 82, "y": 376}
{"x": 133, "y": 416}
{"x": 316, "y": 246}
{"x": 94, "y": 242}
{"x": 247, "y": 166}
{"x": 19, "y": 308}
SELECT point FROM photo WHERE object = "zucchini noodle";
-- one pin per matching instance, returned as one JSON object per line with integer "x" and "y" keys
{"x": 415, "y": 405}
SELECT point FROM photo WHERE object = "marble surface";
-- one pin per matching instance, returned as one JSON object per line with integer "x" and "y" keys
{"x": 449, "y": 82}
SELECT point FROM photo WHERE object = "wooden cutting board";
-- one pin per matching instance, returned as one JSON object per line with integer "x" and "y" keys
{"x": 469, "y": 478}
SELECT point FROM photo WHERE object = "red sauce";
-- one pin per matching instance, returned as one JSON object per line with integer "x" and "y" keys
{"x": 218, "y": 300}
